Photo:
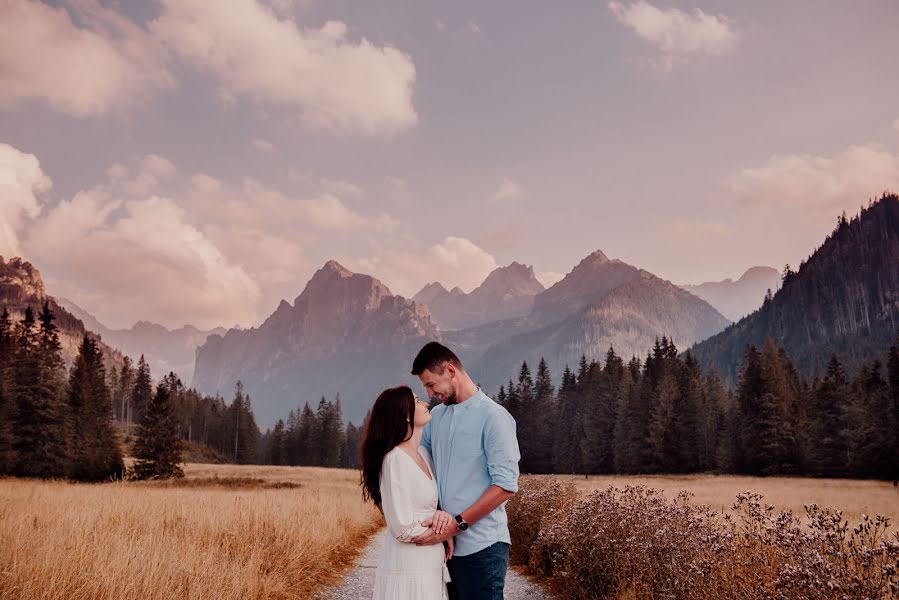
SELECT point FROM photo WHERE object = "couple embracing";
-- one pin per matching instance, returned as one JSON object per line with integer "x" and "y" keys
{"x": 441, "y": 479}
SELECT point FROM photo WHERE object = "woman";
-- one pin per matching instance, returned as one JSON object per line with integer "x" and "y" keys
{"x": 398, "y": 477}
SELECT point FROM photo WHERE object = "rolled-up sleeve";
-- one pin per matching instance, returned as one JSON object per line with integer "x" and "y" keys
{"x": 501, "y": 447}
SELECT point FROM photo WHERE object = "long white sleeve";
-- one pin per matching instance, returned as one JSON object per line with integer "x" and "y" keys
{"x": 396, "y": 499}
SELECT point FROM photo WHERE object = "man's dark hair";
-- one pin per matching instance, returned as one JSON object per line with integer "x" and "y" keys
{"x": 432, "y": 357}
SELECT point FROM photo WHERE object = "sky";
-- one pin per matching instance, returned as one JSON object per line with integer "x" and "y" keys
{"x": 193, "y": 161}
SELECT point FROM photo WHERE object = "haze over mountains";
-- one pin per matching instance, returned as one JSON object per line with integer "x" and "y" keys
{"x": 736, "y": 299}
{"x": 165, "y": 350}
{"x": 348, "y": 333}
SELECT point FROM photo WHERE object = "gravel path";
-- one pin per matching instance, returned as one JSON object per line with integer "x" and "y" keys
{"x": 359, "y": 582}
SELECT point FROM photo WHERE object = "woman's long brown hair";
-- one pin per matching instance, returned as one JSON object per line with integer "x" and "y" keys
{"x": 387, "y": 427}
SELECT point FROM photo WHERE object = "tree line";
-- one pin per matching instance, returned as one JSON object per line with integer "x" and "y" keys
{"x": 662, "y": 415}
{"x": 313, "y": 438}
{"x": 77, "y": 424}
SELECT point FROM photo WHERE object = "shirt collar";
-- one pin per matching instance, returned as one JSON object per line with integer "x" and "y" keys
{"x": 475, "y": 398}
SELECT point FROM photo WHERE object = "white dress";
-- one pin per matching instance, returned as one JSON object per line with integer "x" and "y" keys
{"x": 408, "y": 497}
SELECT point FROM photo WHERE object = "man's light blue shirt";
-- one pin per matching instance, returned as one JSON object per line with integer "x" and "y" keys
{"x": 473, "y": 446}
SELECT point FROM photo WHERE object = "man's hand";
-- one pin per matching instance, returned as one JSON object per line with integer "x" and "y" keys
{"x": 448, "y": 547}
{"x": 441, "y": 522}
{"x": 431, "y": 537}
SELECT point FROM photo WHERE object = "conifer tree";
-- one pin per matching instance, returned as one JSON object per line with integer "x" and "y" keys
{"x": 157, "y": 447}
{"x": 830, "y": 423}
{"x": 309, "y": 437}
{"x": 7, "y": 401}
{"x": 93, "y": 449}
{"x": 141, "y": 392}
{"x": 38, "y": 385}
{"x": 350, "y": 455}
{"x": 543, "y": 415}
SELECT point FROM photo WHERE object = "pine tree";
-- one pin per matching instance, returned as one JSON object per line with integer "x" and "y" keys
{"x": 330, "y": 433}
{"x": 141, "y": 392}
{"x": 157, "y": 449}
{"x": 123, "y": 390}
{"x": 544, "y": 415}
{"x": 631, "y": 421}
{"x": 501, "y": 396}
{"x": 719, "y": 426}
{"x": 277, "y": 445}
{"x": 38, "y": 385}
{"x": 869, "y": 439}
{"x": 661, "y": 438}
{"x": 351, "y": 447}
{"x": 687, "y": 406}
{"x": 7, "y": 401}
{"x": 525, "y": 419}
{"x": 94, "y": 448}
{"x": 308, "y": 437}
{"x": 245, "y": 435}
{"x": 566, "y": 449}
{"x": 830, "y": 423}
{"x": 893, "y": 421}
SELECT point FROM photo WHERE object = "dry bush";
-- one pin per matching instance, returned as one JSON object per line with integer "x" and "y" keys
{"x": 635, "y": 543}
{"x": 530, "y": 508}
{"x": 151, "y": 540}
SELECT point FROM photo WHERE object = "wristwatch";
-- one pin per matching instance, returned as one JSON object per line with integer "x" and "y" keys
{"x": 462, "y": 524}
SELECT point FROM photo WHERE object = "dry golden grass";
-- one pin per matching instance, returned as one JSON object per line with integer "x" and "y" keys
{"x": 222, "y": 532}
{"x": 853, "y": 497}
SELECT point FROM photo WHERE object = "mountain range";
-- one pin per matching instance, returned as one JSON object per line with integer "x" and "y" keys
{"x": 506, "y": 293}
{"x": 348, "y": 333}
{"x": 165, "y": 350}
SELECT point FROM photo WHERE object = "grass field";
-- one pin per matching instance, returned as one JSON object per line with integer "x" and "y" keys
{"x": 229, "y": 531}
{"x": 221, "y": 532}
{"x": 853, "y": 497}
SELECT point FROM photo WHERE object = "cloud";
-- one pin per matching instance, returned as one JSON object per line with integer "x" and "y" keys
{"x": 341, "y": 188}
{"x": 102, "y": 66}
{"x": 675, "y": 33}
{"x": 256, "y": 205}
{"x": 896, "y": 124}
{"x": 263, "y": 145}
{"x": 473, "y": 27}
{"x": 398, "y": 184}
{"x": 440, "y": 24}
{"x": 145, "y": 259}
{"x": 508, "y": 190}
{"x": 21, "y": 180}
{"x": 333, "y": 82}
{"x": 144, "y": 179}
{"x": 455, "y": 261}
{"x": 819, "y": 184}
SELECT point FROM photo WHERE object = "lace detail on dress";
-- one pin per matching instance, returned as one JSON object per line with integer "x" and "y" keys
{"x": 410, "y": 531}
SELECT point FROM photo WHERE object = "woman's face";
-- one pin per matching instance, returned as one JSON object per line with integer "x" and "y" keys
{"x": 422, "y": 414}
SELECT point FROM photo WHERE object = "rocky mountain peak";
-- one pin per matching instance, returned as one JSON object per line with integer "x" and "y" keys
{"x": 20, "y": 282}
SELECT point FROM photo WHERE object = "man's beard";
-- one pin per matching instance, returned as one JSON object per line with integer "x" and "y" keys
{"x": 451, "y": 398}
{"x": 448, "y": 399}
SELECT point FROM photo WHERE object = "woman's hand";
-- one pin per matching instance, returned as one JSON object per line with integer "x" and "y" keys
{"x": 441, "y": 522}
{"x": 448, "y": 546}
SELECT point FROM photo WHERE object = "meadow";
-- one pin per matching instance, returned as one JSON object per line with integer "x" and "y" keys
{"x": 222, "y": 532}
{"x": 227, "y": 531}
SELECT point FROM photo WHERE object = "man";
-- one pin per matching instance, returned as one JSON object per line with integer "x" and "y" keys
{"x": 472, "y": 442}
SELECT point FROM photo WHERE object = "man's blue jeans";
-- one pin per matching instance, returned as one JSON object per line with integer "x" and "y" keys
{"x": 479, "y": 576}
